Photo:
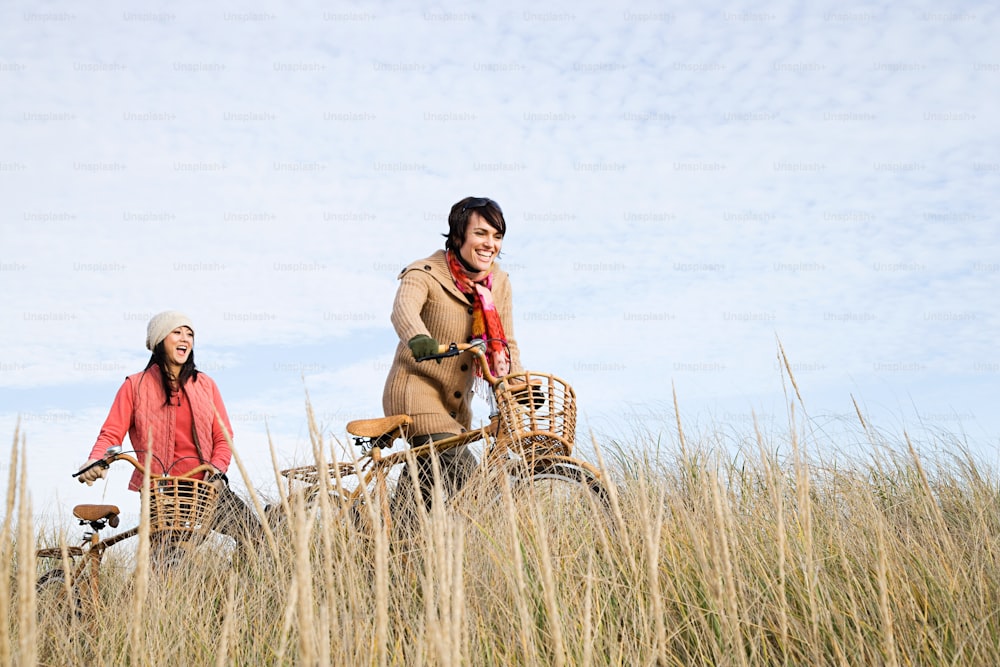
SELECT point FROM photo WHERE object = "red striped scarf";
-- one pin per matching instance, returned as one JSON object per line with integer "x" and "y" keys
{"x": 486, "y": 324}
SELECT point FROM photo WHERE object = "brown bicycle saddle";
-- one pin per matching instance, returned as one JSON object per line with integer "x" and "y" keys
{"x": 376, "y": 428}
{"x": 97, "y": 512}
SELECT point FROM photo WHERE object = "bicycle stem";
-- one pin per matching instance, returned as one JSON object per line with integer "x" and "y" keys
{"x": 478, "y": 350}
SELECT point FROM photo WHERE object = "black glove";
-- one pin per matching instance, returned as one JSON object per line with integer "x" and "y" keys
{"x": 422, "y": 345}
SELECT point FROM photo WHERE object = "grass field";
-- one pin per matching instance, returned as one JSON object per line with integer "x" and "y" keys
{"x": 782, "y": 552}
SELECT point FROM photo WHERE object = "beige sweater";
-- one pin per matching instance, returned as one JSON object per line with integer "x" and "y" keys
{"x": 438, "y": 395}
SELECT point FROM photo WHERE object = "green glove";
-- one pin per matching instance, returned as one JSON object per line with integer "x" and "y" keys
{"x": 423, "y": 346}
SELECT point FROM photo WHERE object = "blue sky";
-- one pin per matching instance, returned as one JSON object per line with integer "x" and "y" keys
{"x": 684, "y": 186}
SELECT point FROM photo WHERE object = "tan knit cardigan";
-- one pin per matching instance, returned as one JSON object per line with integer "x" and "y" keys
{"x": 438, "y": 395}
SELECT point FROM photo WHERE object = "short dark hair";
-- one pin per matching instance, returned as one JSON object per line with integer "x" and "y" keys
{"x": 458, "y": 219}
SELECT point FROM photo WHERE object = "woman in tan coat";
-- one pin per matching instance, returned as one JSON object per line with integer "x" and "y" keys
{"x": 453, "y": 296}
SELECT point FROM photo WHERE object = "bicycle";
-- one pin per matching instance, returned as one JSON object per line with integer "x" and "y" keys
{"x": 529, "y": 438}
{"x": 180, "y": 515}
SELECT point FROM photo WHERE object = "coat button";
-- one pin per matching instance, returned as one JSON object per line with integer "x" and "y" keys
{"x": 458, "y": 394}
{"x": 465, "y": 367}
{"x": 427, "y": 267}
{"x": 452, "y": 413}
{"x": 470, "y": 310}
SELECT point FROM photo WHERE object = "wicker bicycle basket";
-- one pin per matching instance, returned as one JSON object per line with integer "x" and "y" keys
{"x": 536, "y": 415}
{"x": 181, "y": 505}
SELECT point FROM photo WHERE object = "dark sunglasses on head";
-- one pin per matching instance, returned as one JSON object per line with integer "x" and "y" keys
{"x": 481, "y": 202}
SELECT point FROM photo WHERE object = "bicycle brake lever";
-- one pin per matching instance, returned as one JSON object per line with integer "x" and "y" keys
{"x": 450, "y": 352}
{"x": 102, "y": 463}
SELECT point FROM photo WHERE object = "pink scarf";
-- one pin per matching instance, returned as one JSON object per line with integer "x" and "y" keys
{"x": 486, "y": 324}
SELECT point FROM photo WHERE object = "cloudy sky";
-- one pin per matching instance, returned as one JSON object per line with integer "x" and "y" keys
{"x": 685, "y": 187}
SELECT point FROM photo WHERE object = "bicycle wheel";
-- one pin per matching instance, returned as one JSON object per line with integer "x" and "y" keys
{"x": 166, "y": 551}
{"x": 565, "y": 488}
{"x": 56, "y": 605}
{"x": 558, "y": 488}
{"x": 308, "y": 494}
{"x": 322, "y": 515}
{"x": 561, "y": 511}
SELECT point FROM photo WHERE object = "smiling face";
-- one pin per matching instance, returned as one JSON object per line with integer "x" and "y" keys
{"x": 177, "y": 347}
{"x": 482, "y": 244}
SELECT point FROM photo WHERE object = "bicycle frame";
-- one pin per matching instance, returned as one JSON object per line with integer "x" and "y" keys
{"x": 85, "y": 562}
{"x": 520, "y": 453}
{"x": 372, "y": 472}
{"x": 81, "y": 564}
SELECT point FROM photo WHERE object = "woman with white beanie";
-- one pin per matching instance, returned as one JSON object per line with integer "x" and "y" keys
{"x": 176, "y": 411}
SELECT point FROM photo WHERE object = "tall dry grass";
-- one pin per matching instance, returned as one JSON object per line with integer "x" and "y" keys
{"x": 774, "y": 551}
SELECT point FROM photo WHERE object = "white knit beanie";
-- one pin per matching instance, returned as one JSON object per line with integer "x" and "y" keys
{"x": 161, "y": 325}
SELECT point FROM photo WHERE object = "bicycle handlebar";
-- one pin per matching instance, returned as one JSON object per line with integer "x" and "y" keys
{"x": 115, "y": 454}
{"x": 477, "y": 348}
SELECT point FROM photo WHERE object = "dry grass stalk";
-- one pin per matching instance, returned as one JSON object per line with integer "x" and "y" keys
{"x": 6, "y": 557}
{"x": 652, "y": 528}
{"x": 291, "y": 602}
{"x": 884, "y": 605}
{"x": 328, "y": 520}
{"x": 258, "y": 506}
{"x": 677, "y": 416}
{"x": 724, "y": 527}
{"x": 788, "y": 368}
{"x": 296, "y": 606}
{"x": 525, "y": 633}
{"x": 775, "y": 483}
{"x": 857, "y": 411}
{"x": 229, "y": 621}
{"x": 809, "y": 559}
{"x": 588, "y": 614}
{"x": 442, "y": 538}
{"x": 302, "y": 583}
{"x": 28, "y": 640}
{"x": 142, "y": 571}
{"x": 382, "y": 623}
{"x": 621, "y": 526}
{"x": 549, "y": 590}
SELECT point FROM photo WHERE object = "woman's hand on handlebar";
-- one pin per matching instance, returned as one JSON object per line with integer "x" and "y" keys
{"x": 95, "y": 469}
{"x": 476, "y": 347}
{"x": 95, "y": 472}
{"x": 422, "y": 346}
{"x": 216, "y": 477}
